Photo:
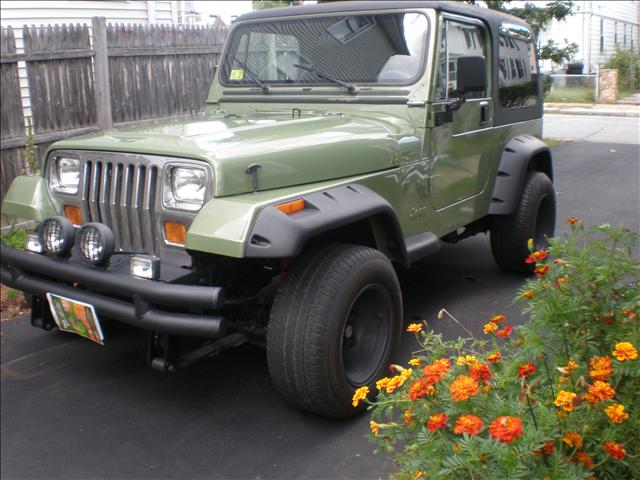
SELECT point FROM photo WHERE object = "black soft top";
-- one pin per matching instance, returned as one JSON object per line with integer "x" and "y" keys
{"x": 492, "y": 17}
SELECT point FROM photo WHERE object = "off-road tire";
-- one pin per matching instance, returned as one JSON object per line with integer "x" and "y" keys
{"x": 534, "y": 218}
{"x": 309, "y": 352}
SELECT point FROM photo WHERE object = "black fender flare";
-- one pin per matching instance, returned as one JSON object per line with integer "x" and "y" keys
{"x": 275, "y": 234}
{"x": 521, "y": 154}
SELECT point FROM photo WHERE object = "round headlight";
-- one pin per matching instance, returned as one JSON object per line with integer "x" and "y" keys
{"x": 57, "y": 235}
{"x": 96, "y": 243}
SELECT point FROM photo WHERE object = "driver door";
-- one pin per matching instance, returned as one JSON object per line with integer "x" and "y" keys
{"x": 461, "y": 141}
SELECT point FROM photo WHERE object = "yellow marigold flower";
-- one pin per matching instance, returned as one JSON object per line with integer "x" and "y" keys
{"x": 419, "y": 474}
{"x": 565, "y": 400}
{"x": 616, "y": 413}
{"x": 414, "y": 327}
{"x": 489, "y": 327}
{"x": 625, "y": 351}
{"x": 407, "y": 416}
{"x": 572, "y": 439}
{"x": 382, "y": 383}
{"x": 415, "y": 362}
{"x": 571, "y": 365}
{"x": 528, "y": 294}
{"x": 396, "y": 382}
{"x": 466, "y": 360}
{"x": 361, "y": 394}
{"x": 572, "y": 220}
{"x": 375, "y": 427}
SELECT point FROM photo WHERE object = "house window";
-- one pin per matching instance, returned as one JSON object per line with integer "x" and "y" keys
{"x": 601, "y": 35}
{"x": 615, "y": 33}
{"x": 624, "y": 35}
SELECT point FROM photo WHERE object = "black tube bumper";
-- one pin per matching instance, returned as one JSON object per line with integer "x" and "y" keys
{"x": 147, "y": 297}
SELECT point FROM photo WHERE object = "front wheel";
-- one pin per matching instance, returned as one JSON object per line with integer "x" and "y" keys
{"x": 334, "y": 325}
{"x": 534, "y": 218}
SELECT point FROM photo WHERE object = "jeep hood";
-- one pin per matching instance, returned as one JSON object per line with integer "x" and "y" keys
{"x": 291, "y": 148}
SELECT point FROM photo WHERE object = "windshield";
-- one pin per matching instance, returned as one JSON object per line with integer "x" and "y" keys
{"x": 330, "y": 50}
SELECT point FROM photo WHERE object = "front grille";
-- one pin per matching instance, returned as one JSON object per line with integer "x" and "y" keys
{"x": 121, "y": 194}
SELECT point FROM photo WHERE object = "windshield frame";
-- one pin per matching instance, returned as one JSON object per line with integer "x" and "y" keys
{"x": 307, "y": 86}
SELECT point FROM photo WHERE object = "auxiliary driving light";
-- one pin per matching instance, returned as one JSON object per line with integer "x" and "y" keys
{"x": 56, "y": 235}
{"x": 144, "y": 267}
{"x": 33, "y": 243}
{"x": 96, "y": 243}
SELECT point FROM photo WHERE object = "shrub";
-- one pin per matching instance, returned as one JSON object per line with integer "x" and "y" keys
{"x": 555, "y": 398}
{"x": 627, "y": 65}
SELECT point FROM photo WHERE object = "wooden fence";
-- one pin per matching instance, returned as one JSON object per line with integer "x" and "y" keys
{"x": 78, "y": 84}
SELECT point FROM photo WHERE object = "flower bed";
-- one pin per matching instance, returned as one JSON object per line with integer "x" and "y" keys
{"x": 555, "y": 398}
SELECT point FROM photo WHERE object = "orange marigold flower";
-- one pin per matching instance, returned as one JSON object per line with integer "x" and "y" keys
{"x": 407, "y": 416}
{"x": 540, "y": 254}
{"x": 469, "y": 424}
{"x": 480, "y": 371}
{"x": 571, "y": 365}
{"x": 494, "y": 357}
{"x": 565, "y": 400}
{"x": 466, "y": 360}
{"x": 572, "y": 220}
{"x": 528, "y": 294}
{"x": 431, "y": 374}
{"x": 463, "y": 388}
{"x": 437, "y": 421}
{"x": 615, "y": 450}
{"x": 489, "y": 327}
{"x": 505, "y": 332}
{"x": 601, "y": 390}
{"x": 583, "y": 458}
{"x": 506, "y": 429}
{"x": 541, "y": 271}
{"x": 629, "y": 313}
{"x": 498, "y": 319}
{"x": 359, "y": 395}
{"x": 415, "y": 362}
{"x": 527, "y": 369}
{"x": 625, "y": 351}
{"x": 414, "y": 327}
{"x": 442, "y": 366}
{"x": 572, "y": 439}
{"x": 420, "y": 388}
{"x": 600, "y": 368}
{"x": 561, "y": 281}
{"x": 548, "y": 447}
{"x": 530, "y": 259}
{"x": 616, "y": 413}
{"x": 374, "y": 427}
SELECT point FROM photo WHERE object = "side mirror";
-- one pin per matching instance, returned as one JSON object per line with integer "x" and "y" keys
{"x": 471, "y": 75}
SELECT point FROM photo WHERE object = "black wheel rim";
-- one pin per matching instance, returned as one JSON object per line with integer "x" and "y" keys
{"x": 366, "y": 334}
{"x": 544, "y": 224}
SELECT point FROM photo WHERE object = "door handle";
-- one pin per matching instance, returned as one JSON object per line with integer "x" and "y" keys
{"x": 484, "y": 112}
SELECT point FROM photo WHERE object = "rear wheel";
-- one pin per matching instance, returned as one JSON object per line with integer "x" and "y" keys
{"x": 334, "y": 324}
{"x": 535, "y": 218}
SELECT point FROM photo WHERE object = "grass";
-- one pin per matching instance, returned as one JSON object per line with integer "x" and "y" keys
{"x": 570, "y": 95}
{"x": 554, "y": 142}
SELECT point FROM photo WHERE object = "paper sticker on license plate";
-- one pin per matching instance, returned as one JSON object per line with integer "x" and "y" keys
{"x": 76, "y": 317}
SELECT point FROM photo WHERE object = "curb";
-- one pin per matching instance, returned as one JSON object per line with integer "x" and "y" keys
{"x": 587, "y": 111}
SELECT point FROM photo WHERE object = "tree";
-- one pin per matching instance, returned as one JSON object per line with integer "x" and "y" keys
{"x": 538, "y": 18}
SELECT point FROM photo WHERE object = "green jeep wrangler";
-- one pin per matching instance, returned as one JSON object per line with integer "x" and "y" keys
{"x": 340, "y": 141}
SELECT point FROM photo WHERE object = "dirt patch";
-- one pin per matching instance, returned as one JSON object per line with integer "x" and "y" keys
{"x": 12, "y": 303}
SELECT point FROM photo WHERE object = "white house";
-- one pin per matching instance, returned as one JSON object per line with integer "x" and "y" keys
{"x": 598, "y": 27}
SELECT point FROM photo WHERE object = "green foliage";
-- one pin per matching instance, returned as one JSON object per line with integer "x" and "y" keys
{"x": 584, "y": 302}
{"x": 31, "y": 160}
{"x": 538, "y": 18}
{"x": 263, "y": 4}
{"x": 15, "y": 237}
{"x": 628, "y": 66}
{"x": 570, "y": 95}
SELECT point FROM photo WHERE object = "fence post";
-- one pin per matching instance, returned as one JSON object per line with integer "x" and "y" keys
{"x": 101, "y": 72}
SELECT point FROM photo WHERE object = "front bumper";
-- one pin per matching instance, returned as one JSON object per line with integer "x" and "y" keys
{"x": 147, "y": 304}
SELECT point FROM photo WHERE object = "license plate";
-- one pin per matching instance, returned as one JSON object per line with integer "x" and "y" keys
{"x": 76, "y": 317}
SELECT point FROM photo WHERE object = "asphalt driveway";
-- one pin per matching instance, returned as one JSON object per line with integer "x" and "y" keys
{"x": 70, "y": 409}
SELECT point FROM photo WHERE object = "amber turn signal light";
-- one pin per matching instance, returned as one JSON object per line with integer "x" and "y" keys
{"x": 291, "y": 207}
{"x": 74, "y": 214}
{"x": 175, "y": 232}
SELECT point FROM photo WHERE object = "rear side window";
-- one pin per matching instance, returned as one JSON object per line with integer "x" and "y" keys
{"x": 517, "y": 72}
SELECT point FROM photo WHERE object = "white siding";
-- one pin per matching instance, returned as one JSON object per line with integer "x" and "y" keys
{"x": 583, "y": 28}
{"x": 19, "y": 13}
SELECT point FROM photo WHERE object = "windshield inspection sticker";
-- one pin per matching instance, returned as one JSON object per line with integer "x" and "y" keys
{"x": 237, "y": 74}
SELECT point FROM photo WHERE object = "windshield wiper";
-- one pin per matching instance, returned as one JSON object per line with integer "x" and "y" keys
{"x": 311, "y": 69}
{"x": 254, "y": 77}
